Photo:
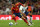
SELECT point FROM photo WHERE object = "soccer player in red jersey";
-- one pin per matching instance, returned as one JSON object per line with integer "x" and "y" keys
{"x": 16, "y": 12}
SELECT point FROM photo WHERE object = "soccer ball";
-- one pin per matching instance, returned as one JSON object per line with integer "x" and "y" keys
{"x": 10, "y": 23}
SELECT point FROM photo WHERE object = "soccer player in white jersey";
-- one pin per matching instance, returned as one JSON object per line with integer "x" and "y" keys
{"x": 25, "y": 11}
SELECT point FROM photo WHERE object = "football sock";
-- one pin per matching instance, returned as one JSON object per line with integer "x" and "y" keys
{"x": 25, "y": 20}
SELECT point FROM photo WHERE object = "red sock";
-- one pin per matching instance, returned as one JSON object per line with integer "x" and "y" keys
{"x": 25, "y": 20}
{"x": 14, "y": 19}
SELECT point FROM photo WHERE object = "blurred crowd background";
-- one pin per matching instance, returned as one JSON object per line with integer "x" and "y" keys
{"x": 5, "y": 6}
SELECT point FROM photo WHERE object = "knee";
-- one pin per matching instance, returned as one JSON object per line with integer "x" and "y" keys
{"x": 13, "y": 16}
{"x": 23, "y": 17}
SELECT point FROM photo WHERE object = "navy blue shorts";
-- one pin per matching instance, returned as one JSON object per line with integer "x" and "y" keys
{"x": 26, "y": 13}
{"x": 18, "y": 14}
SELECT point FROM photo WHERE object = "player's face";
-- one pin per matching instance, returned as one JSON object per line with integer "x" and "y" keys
{"x": 25, "y": 5}
{"x": 13, "y": 5}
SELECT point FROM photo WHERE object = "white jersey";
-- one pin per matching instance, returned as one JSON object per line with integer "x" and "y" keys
{"x": 23, "y": 8}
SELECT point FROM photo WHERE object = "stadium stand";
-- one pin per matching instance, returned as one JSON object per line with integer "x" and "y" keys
{"x": 5, "y": 6}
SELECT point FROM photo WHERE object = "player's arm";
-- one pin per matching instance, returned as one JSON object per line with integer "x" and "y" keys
{"x": 20, "y": 9}
{"x": 21, "y": 4}
{"x": 12, "y": 10}
{"x": 21, "y": 12}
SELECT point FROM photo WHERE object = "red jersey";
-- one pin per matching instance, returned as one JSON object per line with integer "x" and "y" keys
{"x": 17, "y": 4}
{"x": 29, "y": 8}
{"x": 12, "y": 9}
{"x": 16, "y": 8}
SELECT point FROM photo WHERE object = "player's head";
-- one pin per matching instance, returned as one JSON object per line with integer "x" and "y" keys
{"x": 13, "y": 5}
{"x": 26, "y": 4}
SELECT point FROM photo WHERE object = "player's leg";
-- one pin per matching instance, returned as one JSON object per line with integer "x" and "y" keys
{"x": 27, "y": 13}
{"x": 25, "y": 21}
{"x": 25, "y": 17}
{"x": 19, "y": 15}
{"x": 31, "y": 19}
{"x": 13, "y": 17}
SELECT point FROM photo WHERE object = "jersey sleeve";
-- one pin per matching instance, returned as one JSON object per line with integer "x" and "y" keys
{"x": 21, "y": 4}
{"x": 12, "y": 10}
{"x": 21, "y": 7}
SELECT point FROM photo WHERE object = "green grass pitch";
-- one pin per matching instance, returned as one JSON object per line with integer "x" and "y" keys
{"x": 21, "y": 23}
